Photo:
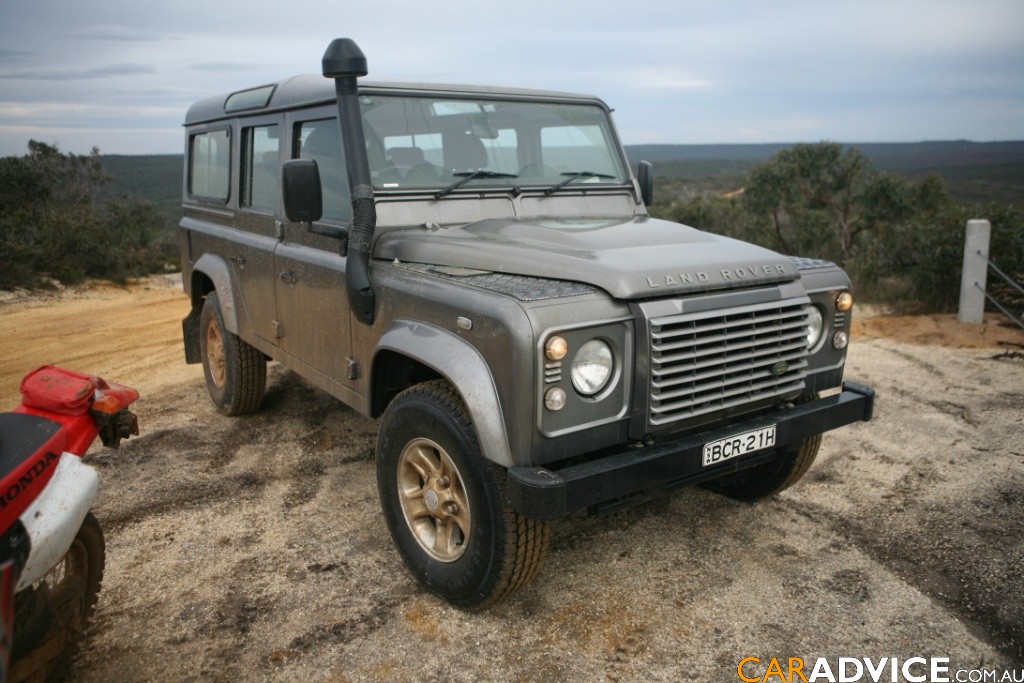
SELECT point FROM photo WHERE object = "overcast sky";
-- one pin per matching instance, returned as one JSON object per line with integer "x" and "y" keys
{"x": 119, "y": 74}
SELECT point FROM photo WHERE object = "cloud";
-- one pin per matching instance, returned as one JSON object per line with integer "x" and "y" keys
{"x": 663, "y": 79}
{"x": 116, "y": 33}
{"x": 220, "y": 66}
{"x": 111, "y": 70}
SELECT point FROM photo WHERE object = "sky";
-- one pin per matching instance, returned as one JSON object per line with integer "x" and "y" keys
{"x": 120, "y": 74}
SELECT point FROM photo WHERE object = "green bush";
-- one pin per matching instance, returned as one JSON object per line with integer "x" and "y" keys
{"x": 54, "y": 222}
{"x": 900, "y": 241}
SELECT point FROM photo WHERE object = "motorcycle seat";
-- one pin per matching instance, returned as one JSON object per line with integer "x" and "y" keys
{"x": 22, "y": 436}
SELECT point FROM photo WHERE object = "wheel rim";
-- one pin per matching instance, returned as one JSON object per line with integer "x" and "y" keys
{"x": 434, "y": 501}
{"x": 66, "y": 585}
{"x": 215, "y": 354}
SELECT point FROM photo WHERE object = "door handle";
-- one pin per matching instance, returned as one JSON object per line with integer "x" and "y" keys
{"x": 289, "y": 278}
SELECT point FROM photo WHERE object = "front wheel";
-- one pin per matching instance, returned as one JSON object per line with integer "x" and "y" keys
{"x": 236, "y": 373}
{"x": 445, "y": 505}
{"x": 790, "y": 464}
{"x": 66, "y": 597}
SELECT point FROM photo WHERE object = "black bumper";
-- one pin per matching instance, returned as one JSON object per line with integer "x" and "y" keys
{"x": 542, "y": 493}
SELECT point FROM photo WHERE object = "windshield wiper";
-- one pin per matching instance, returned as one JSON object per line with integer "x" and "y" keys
{"x": 466, "y": 176}
{"x": 573, "y": 176}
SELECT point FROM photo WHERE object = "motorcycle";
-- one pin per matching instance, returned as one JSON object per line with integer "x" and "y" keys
{"x": 51, "y": 546}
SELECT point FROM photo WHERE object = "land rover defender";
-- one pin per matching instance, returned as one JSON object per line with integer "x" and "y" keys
{"x": 476, "y": 267}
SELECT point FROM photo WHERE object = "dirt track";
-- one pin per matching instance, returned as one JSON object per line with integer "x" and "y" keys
{"x": 253, "y": 548}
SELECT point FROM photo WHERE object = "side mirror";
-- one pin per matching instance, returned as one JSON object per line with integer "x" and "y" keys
{"x": 645, "y": 176}
{"x": 300, "y": 185}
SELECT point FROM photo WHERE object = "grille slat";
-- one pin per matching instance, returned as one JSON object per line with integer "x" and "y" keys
{"x": 678, "y": 329}
{"x": 720, "y": 360}
{"x": 716, "y": 372}
{"x": 796, "y": 330}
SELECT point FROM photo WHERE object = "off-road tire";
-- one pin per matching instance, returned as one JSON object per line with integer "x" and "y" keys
{"x": 78, "y": 577}
{"x": 236, "y": 373}
{"x": 790, "y": 464}
{"x": 503, "y": 550}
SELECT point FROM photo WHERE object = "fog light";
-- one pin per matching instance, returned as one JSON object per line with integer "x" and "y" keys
{"x": 840, "y": 340}
{"x": 556, "y": 348}
{"x": 844, "y": 301}
{"x": 554, "y": 399}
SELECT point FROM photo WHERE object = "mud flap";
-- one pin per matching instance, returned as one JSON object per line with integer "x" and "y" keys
{"x": 190, "y": 334}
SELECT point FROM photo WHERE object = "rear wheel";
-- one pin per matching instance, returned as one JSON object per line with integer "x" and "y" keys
{"x": 236, "y": 373}
{"x": 445, "y": 505}
{"x": 67, "y": 596}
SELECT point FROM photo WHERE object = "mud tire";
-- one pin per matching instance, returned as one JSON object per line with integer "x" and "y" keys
{"x": 502, "y": 550}
{"x": 236, "y": 373}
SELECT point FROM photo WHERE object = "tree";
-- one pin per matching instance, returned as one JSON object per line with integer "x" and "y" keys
{"x": 54, "y": 220}
{"x": 808, "y": 188}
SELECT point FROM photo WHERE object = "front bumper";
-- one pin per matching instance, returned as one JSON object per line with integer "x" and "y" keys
{"x": 543, "y": 493}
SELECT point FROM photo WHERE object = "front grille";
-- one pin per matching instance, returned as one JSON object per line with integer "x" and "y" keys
{"x": 712, "y": 361}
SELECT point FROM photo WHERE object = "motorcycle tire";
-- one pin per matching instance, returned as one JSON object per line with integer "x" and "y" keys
{"x": 65, "y": 598}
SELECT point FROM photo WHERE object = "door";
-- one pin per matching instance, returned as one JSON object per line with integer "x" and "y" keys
{"x": 312, "y": 305}
{"x": 251, "y": 253}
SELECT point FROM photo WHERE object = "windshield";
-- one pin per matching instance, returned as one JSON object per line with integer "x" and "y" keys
{"x": 443, "y": 144}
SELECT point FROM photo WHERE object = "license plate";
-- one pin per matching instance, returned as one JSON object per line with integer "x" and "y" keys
{"x": 738, "y": 444}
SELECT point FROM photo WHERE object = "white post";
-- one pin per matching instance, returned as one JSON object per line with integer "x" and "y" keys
{"x": 975, "y": 272}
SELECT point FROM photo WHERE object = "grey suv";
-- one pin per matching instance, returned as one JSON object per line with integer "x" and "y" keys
{"x": 476, "y": 267}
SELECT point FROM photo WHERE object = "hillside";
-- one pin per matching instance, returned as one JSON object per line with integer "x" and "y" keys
{"x": 979, "y": 172}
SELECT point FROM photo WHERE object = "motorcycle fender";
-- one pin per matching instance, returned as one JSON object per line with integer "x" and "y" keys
{"x": 54, "y": 517}
{"x": 463, "y": 366}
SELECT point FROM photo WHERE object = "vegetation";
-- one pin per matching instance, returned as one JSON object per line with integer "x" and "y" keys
{"x": 56, "y": 221}
{"x": 880, "y": 210}
{"x": 901, "y": 240}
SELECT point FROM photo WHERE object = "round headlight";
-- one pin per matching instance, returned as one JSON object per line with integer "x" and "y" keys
{"x": 844, "y": 301}
{"x": 592, "y": 367}
{"x": 814, "y": 326}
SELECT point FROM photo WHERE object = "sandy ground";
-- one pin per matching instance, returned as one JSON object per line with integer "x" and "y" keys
{"x": 254, "y": 549}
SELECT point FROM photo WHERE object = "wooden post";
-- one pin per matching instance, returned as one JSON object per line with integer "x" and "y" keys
{"x": 975, "y": 272}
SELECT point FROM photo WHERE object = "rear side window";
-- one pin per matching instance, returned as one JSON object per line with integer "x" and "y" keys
{"x": 260, "y": 145}
{"x": 321, "y": 141}
{"x": 209, "y": 167}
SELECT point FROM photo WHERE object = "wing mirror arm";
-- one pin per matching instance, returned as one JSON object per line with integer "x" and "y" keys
{"x": 645, "y": 178}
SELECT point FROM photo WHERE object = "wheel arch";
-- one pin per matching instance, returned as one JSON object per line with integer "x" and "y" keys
{"x": 414, "y": 352}
{"x": 211, "y": 273}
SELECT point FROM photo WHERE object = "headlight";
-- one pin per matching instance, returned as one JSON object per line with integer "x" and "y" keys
{"x": 592, "y": 367}
{"x": 814, "y": 326}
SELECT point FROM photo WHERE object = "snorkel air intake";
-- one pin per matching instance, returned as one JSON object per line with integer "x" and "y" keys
{"x": 345, "y": 62}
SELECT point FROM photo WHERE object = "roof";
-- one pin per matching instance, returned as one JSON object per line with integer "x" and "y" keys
{"x": 308, "y": 90}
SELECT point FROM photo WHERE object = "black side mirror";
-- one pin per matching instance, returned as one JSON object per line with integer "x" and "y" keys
{"x": 645, "y": 176}
{"x": 300, "y": 184}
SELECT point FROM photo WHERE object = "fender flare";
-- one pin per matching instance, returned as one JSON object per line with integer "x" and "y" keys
{"x": 219, "y": 273}
{"x": 461, "y": 364}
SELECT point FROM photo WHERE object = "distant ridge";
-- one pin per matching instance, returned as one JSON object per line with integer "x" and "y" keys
{"x": 973, "y": 171}
{"x": 885, "y": 155}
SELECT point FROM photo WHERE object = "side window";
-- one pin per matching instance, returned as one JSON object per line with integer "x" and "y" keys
{"x": 321, "y": 141}
{"x": 260, "y": 147}
{"x": 209, "y": 171}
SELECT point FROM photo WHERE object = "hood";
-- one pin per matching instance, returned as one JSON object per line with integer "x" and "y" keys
{"x": 634, "y": 259}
